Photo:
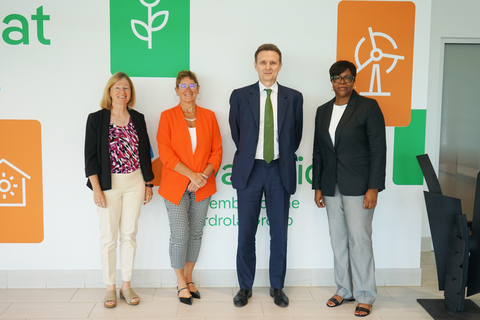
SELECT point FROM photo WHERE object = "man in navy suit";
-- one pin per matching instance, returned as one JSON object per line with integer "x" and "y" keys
{"x": 264, "y": 164}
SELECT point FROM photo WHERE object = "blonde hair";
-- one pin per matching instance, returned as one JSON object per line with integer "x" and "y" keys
{"x": 106, "y": 102}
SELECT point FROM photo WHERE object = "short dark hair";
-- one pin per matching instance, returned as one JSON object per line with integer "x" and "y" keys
{"x": 340, "y": 66}
{"x": 268, "y": 47}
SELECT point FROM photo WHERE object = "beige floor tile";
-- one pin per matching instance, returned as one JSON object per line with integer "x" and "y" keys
{"x": 216, "y": 294}
{"x": 165, "y": 295}
{"x": 334, "y": 317}
{"x": 221, "y": 310}
{"x": 142, "y": 310}
{"x": 162, "y": 318}
{"x": 297, "y": 293}
{"x": 55, "y": 310}
{"x": 413, "y": 293}
{"x": 406, "y": 308}
{"x": 293, "y": 293}
{"x": 37, "y": 295}
{"x": 252, "y": 318}
{"x": 322, "y": 293}
{"x": 401, "y": 317}
{"x": 4, "y": 306}
{"x": 303, "y": 308}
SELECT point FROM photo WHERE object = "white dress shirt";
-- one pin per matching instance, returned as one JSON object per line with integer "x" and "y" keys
{"x": 263, "y": 98}
{"x": 337, "y": 114}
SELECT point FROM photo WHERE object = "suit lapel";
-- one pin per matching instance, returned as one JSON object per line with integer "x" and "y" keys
{"x": 254, "y": 103}
{"x": 352, "y": 103}
{"x": 282, "y": 104}
{"x": 325, "y": 123}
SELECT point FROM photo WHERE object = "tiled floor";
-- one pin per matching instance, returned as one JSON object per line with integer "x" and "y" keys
{"x": 306, "y": 303}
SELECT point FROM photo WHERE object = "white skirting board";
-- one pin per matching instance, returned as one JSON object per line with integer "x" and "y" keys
{"x": 165, "y": 278}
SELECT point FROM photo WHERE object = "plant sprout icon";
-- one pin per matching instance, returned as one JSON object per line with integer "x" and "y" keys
{"x": 376, "y": 55}
{"x": 148, "y": 26}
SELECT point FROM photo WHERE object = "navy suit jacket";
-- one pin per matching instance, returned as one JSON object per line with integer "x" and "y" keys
{"x": 244, "y": 125}
{"x": 358, "y": 160}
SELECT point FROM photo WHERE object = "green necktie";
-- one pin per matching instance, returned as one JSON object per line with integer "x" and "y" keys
{"x": 268, "y": 129}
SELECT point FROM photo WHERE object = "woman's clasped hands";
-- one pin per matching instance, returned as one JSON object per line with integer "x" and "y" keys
{"x": 197, "y": 181}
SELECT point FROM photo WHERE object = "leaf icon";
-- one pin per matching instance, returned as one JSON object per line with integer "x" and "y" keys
{"x": 165, "y": 13}
{"x": 144, "y": 25}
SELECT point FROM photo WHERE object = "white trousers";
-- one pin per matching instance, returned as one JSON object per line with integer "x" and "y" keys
{"x": 124, "y": 202}
{"x": 350, "y": 229}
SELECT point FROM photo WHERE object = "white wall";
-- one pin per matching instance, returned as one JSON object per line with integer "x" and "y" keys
{"x": 61, "y": 83}
{"x": 450, "y": 19}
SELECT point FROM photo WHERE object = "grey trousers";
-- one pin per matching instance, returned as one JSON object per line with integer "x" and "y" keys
{"x": 350, "y": 229}
{"x": 186, "y": 228}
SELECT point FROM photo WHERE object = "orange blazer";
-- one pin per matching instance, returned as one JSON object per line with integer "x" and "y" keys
{"x": 174, "y": 144}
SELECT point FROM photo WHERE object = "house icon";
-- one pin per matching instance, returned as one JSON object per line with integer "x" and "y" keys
{"x": 12, "y": 185}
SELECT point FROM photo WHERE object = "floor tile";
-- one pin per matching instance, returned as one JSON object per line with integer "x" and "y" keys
{"x": 54, "y": 310}
{"x": 37, "y": 295}
{"x": 303, "y": 308}
{"x": 220, "y": 310}
{"x": 142, "y": 310}
{"x": 4, "y": 306}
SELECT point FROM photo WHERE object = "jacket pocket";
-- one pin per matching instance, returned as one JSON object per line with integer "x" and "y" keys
{"x": 361, "y": 161}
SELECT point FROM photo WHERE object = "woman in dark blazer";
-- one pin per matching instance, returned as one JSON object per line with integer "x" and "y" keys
{"x": 119, "y": 171}
{"x": 349, "y": 160}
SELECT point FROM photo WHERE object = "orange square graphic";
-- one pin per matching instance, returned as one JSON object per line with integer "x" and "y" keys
{"x": 378, "y": 36}
{"x": 21, "y": 194}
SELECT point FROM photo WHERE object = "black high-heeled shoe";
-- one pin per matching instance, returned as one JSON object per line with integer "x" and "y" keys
{"x": 185, "y": 300}
{"x": 196, "y": 295}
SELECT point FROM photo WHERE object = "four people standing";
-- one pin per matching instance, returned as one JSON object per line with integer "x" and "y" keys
{"x": 349, "y": 161}
{"x": 266, "y": 121}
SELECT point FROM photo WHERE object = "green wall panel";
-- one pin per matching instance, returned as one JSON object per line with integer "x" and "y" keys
{"x": 409, "y": 142}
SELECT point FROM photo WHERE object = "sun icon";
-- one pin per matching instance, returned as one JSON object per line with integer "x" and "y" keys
{"x": 7, "y": 186}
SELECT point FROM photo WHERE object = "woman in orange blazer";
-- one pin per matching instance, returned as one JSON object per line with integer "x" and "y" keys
{"x": 190, "y": 148}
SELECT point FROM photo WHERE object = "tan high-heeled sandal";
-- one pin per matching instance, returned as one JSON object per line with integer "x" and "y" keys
{"x": 129, "y": 295}
{"x": 111, "y": 295}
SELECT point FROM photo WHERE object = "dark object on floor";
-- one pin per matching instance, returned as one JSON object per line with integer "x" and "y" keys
{"x": 241, "y": 299}
{"x": 279, "y": 297}
{"x": 435, "y": 308}
{"x": 452, "y": 241}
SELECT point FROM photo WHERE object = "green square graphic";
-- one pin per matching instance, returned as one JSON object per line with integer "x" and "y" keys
{"x": 149, "y": 38}
{"x": 409, "y": 142}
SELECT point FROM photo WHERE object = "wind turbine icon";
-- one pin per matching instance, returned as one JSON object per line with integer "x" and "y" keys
{"x": 376, "y": 55}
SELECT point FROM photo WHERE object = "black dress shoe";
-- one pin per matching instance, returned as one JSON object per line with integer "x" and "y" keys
{"x": 196, "y": 294}
{"x": 241, "y": 299}
{"x": 185, "y": 300}
{"x": 279, "y": 297}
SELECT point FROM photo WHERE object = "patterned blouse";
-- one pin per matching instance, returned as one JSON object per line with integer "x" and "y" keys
{"x": 123, "y": 146}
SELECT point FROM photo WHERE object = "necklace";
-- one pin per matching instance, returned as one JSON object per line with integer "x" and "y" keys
{"x": 191, "y": 119}
{"x": 121, "y": 122}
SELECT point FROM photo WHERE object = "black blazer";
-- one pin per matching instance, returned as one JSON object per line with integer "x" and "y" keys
{"x": 244, "y": 126}
{"x": 358, "y": 160}
{"x": 97, "y": 155}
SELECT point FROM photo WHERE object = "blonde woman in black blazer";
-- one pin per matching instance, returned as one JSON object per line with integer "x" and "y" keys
{"x": 349, "y": 160}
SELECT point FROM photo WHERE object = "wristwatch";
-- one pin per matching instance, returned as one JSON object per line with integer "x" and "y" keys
{"x": 149, "y": 185}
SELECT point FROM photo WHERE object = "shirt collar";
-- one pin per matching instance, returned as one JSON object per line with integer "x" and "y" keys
{"x": 274, "y": 87}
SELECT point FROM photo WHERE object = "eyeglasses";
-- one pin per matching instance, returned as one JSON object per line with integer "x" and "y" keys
{"x": 183, "y": 86}
{"x": 348, "y": 78}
